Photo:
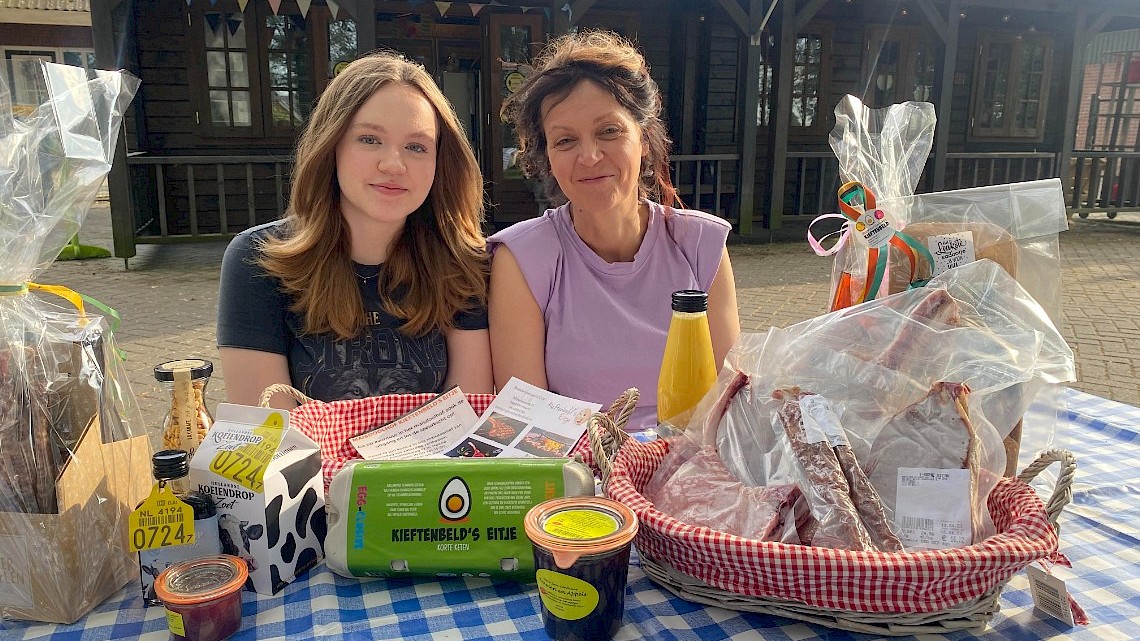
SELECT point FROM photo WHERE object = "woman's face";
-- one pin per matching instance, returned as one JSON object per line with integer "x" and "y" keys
{"x": 595, "y": 148}
{"x": 385, "y": 160}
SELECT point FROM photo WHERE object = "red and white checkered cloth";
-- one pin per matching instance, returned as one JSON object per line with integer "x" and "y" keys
{"x": 332, "y": 424}
{"x": 838, "y": 579}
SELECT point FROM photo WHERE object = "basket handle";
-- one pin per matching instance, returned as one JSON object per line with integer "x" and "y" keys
{"x": 1063, "y": 490}
{"x": 606, "y": 431}
{"x": 282, "y": 388}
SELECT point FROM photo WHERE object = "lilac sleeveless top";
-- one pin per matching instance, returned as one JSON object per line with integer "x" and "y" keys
{"x": 606, "y": 322}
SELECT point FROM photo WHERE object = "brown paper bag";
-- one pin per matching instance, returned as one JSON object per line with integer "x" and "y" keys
{"x": 57, "y": 567}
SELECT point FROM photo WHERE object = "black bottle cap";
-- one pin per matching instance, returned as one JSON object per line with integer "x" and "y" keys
{"x": 170, "y": 464}
{"x": 199, "y": 368}
{"x": 690, "y": 300}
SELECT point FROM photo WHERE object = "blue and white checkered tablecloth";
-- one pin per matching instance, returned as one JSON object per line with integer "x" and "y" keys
{"x": 1100, "y": 533}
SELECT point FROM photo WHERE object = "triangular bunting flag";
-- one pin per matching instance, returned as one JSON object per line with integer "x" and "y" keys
{"x": 304, "y": 6}
{"x": 275, "y": 5}
{"x": 333, "y": 9}
{"x": 546, "y": 12}
{"x": 476, "y": 8}
{"x": 188, "y": 3}
{"x": 213, "y": 3}
{"x": 242, "y": 4}
{"x": 234, "y": 24}
{"x": 525, "y": 9}
{"x": 442, "y": 7}
{"x": 213, "y": 21}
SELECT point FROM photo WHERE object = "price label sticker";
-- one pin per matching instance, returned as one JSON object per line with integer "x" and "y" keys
{"x": 245, "y": 463}
{"x": 162, "y": 520}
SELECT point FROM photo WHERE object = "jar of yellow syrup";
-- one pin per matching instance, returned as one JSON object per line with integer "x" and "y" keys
{"x": 688, "y": 368}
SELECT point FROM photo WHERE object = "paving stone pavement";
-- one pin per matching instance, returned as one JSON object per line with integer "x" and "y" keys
{"x": 168, "y": 299}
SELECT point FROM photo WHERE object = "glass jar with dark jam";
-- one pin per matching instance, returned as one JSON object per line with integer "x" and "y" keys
{"x": 581, "y": 553}
{"x": 203, "y": 597}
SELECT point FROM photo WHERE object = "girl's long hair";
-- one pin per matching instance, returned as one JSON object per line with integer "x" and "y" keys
{"x": 437, "y": 267}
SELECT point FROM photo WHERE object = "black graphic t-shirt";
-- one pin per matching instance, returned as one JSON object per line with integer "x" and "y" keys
{"x": 253, "y": 313}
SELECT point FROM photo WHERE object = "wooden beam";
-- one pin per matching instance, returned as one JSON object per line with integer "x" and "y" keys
{"x": 1082, "y": 33}
{"x": 807, "y": 13}
{"x": 559, "y": 22}
{"x": 119, "y": 177}
{"x": 935, "y": 19}
{"x": 758, "y": 27}
{"x": 732, "y": 8}
{"x": 945, "y": 95}
{"x": 1097, "y": 26}
{"x": 778, "y": 150}
{"x": 364, "y": 11}
{"x": 750, "y": 98}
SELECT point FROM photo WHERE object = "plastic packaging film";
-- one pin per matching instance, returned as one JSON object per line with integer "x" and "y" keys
{"x": 73, "y": 447}
{"x": 968, "y": 354}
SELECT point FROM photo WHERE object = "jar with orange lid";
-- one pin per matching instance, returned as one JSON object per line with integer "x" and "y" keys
{"x": 188, "y": 418}
{"x": 203, "y": 597}
{"x": 581, "y": 555}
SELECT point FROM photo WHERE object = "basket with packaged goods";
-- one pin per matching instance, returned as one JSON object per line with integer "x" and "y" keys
{"x": 848, "y": 470}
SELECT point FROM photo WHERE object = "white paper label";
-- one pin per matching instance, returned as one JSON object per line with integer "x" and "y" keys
{"x": 876, "y": 227}
{"x": 15, "y": 586}
{"x": 421, "y": 433}
{"x": 820, "y": 422}
{"x": 1050, "y": 595}
{"x": 951, "y": 250}
{"x": 932, "y": 508}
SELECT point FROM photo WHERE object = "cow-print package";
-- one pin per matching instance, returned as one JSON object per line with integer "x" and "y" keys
{"x": 888, "y": 417}
{"x": 73, "y": 448}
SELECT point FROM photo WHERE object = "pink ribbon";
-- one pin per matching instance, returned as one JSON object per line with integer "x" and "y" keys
{"x": 843, "y": 231}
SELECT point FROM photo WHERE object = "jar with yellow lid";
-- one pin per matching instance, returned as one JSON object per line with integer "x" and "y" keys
{"x": 581, "y": 553}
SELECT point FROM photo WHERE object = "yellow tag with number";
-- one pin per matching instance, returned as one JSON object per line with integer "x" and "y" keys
{"x": 246, "y": 463}
{"x": 162, "y": 520}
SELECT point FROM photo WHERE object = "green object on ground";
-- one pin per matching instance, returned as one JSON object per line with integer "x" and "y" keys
{"x": 75, "y": 251}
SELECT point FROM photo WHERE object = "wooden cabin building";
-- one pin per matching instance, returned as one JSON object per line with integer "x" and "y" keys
{"x": 749, "y": 87}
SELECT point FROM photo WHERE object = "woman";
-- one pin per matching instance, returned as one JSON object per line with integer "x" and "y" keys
{"x": 580, "y": 297}
{"x": 375, "y": 281}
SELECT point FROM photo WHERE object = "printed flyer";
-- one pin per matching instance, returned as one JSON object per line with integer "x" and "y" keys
{"x": 523, "y": 421}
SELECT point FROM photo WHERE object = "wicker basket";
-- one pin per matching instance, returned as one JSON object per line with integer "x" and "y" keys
{"x": 331, "y": 424}
{"x": 1027, "y": 532}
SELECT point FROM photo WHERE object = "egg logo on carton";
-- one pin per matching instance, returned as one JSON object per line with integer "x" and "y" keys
{"x": 455, "y": 500}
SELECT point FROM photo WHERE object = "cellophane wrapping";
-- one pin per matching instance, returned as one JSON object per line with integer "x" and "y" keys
{"x": 973, "y": 329}
{"x": 885, "y": 150}
{"x": 73, "y": 446}
{"x": 1015, "y": 224}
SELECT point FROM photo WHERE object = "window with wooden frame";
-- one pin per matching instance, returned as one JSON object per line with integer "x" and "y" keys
{"x": 899, "y": 64}
{"x": 766, "y": 76}
{"x": 808, "y": 80}
{"x": 258, "y": 72}
{"x": 1011, "y": 86}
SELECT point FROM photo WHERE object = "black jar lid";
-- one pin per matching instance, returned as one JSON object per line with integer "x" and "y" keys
{"x": 690, "y": 300}
{"x": 170, "y": 464}
{"x": 199, "y": 368}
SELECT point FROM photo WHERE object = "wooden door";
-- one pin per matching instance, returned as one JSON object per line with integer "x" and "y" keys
{"x": 511, "y": 42}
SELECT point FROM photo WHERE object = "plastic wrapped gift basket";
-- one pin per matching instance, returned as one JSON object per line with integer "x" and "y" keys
{"x": 869, "y": 592}
{"x": 1002, "y": 346}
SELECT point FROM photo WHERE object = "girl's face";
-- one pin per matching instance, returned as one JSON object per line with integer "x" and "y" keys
{"x": 385, "y": 161}
{"x": 595, "y": 148}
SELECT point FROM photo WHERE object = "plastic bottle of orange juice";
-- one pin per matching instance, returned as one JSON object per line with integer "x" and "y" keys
{"x": 688, "y": 368}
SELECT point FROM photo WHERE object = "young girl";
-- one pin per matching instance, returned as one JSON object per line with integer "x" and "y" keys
{"x": 375, "y": 281}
